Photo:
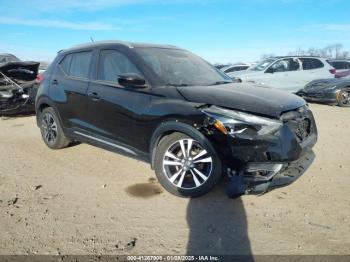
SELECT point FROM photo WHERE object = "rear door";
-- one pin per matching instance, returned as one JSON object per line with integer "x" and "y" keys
{"x": 314, "y": 69}
{"x": 68, "y": 87}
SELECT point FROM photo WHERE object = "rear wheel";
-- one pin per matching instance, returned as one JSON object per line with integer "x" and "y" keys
{"x": 186, "y": 166}
{"x": 51, "y": 130}
{"x": 343, "y": 98}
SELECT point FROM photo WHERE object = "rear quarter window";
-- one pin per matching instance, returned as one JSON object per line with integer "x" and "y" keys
{"x": 65, "y": 63}
{"x": 311, "y": 63}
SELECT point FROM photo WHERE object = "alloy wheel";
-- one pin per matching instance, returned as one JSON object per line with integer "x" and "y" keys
{"x": 345, "y": 98}
{"x": 187, "y": 164}
{"x": 49, "y": 127}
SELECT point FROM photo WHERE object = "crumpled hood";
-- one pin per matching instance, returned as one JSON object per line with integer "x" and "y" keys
{"x": 322, "y": 84}
{"x": 20, "y": 70}
{"x": 245, "y": 97}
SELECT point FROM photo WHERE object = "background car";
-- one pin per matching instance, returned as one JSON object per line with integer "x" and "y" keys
{"x": 235, "y": 68}
{"x": 289, "y": 73}
{"x": 344, "y": 74}
{"x": 5, "y": 58}
{"x": 332, "y": 91}
{"x": 340, "y": 65}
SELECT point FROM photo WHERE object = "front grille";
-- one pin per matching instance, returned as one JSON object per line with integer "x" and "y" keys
{"x": 300, "y": 122}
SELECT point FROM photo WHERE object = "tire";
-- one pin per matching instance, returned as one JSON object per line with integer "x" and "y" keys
{"x": 51, "y": 130}
{"x": 187, "y": 175}
{"x": 343, "y": 98}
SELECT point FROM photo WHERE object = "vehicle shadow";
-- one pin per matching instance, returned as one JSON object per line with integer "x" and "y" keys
{"x": 218, "y": 226}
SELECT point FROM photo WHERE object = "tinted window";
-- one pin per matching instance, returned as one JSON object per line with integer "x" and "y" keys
{"x": 285, "y": 65}
{"x": 232, "y": 69}
{"x": 65, "y": 63}
{"x": 113, "y": 63}
{"x": 339, "y": 64}
{"x": 79, "y": 64}
{"x": 311, "y": 63}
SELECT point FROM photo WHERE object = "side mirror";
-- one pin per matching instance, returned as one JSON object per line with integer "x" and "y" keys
{"x": 132, "y": 80}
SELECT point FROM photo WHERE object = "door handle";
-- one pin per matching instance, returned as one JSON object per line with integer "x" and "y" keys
{"x": 94, "y": 96}
{"x": 55, "y": 82}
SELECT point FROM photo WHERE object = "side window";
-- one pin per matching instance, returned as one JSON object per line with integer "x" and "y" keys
{"x": 285, "y": 65}
{"x": 113, "y": 63}
{"x": 311, "y": 63}
{"x": 65, "y": 63}
{"x": 232, "y": 69}
{"x": 80, "y": 64}
{"x": 340, "y": 65}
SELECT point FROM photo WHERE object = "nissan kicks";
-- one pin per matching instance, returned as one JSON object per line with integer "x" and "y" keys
{"x": 170, "y": 108}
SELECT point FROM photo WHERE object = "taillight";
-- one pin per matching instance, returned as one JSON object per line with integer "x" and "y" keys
{"x": 39, "y": 78}
{"x": 333, "y": 71}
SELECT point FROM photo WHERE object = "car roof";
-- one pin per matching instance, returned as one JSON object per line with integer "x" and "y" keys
{"x": 296, "y": 56}
{"x": 338, "y": 60}
{"x": 7, "y": 54}
{"x": 115, "y": 42}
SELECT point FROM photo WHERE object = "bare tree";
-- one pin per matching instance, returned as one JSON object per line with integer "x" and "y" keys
{"x": 333, "y": 51}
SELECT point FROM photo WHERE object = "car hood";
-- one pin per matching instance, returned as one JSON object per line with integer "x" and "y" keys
{"x": 322, "y": 84}
{"x": 20, "y": 70}
{"x": 244, "y": 97}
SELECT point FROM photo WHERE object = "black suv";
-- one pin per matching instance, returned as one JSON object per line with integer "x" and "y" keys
{"x": 166, "y": 106}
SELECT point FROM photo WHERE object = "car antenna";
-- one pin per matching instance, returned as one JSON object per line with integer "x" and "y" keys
{"x": 92, "y": 40}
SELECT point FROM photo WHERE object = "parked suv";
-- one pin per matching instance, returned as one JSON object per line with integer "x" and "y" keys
{"x": 288, "y": 73}
{"x": 168, "y": 107}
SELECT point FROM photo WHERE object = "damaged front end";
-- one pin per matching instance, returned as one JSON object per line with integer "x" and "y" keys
{"x": 18, "y": 87}
{"x": 261, "y": 153}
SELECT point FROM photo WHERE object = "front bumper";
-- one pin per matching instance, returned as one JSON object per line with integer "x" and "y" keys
{"x": 289, "y": 173}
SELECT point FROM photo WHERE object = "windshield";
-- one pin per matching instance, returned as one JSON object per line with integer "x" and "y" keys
{"x": 181, "y": 68}
{"x": 263, "y": 65}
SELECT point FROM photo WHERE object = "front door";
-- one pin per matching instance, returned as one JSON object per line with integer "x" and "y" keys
{"x": 113, "y": 109}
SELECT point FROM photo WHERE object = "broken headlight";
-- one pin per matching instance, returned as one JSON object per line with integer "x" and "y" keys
{"x": 235, "y": 122}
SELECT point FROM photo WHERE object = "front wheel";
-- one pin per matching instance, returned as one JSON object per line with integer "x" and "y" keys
{"x": 186, "y": 166}
{"x": 343, "y": 98}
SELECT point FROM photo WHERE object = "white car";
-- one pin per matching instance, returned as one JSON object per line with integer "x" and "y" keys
{"x": 289, "y": 73}
{"x": 234, "y": 68}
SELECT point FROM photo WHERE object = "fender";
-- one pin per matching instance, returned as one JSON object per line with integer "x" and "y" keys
{"x": 169, "y": 127}
{"x": 45, "y": 100}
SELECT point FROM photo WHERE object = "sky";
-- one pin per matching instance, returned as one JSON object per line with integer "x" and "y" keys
{"x": 220, "y": 31}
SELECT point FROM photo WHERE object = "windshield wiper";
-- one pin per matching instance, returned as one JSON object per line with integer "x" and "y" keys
{"x": 220, "y": 83}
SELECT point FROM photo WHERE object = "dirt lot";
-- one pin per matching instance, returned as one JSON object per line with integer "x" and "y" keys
{"x": 84, "y": 200}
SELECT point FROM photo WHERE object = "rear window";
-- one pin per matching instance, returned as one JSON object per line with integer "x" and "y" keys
{"x": 339, "y": 64}
{"x": 77, "y": 64}
{"x": 311, "y": 63}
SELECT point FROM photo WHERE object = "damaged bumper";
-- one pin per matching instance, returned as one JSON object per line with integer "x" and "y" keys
{"x": 261, "y": 181}
{"x": 321, "y": 97}
{"x": 258, "y": 163}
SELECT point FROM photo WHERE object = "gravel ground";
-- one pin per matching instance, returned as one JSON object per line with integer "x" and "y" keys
{"x": 84, "y": 200}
